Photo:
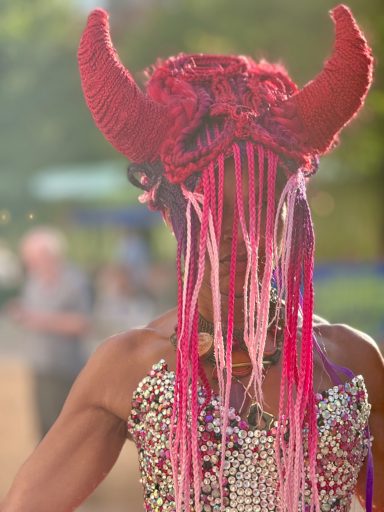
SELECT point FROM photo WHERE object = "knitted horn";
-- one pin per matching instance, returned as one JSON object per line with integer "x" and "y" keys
{"x": 133, "y": 123}
{"x": 330, "y": 101}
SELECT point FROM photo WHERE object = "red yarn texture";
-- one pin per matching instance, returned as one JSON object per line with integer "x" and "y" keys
{"x": 130, "y": 120}
{"x": 230, "y": 97}
{"x": 331, "y": 100}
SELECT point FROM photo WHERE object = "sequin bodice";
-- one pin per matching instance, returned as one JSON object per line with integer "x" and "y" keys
{"x": 250, "y": 468}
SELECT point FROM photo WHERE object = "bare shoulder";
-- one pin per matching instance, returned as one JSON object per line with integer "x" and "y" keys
{"x": 348, "y": 346}
{"x": 356, "y": 350}
{"x": 114, "y": 371}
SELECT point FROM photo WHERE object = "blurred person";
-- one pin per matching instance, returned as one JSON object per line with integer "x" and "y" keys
{"x": 10, "y": 272}
{"x": 240, "y": 398}
{"x": 54, "y": 309}
{"x": 133, "y": 252}
{"x": 163, "y": 283}
{"x": 120, "y": 304}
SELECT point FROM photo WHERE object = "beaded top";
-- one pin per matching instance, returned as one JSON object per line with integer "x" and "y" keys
{"x": 250, "y": 471}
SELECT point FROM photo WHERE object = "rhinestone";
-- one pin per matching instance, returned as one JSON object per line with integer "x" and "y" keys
{"x": 342, "y": 446}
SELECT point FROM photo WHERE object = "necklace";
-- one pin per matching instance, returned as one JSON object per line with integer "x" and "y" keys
{"x": 241, "y": 362}
{"x": 256, "y": 416}
{"x": 241, "y": 367}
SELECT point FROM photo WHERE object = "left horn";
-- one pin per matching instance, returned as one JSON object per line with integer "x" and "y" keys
{"x": 133, "y": 123}
{"x": 326, "y": 104}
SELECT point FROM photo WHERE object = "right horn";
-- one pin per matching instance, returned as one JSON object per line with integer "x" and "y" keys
{"x": 131, "y": 121}
{"x": 331, "y": 100}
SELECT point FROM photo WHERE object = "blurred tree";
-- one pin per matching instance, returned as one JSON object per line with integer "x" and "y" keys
{"x": 44, "y": 120}
{"x": 300, "y": 34}
{"x": 43, "y": 117}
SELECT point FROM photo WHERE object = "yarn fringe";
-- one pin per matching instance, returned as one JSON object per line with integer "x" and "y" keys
{"x": 283, "y": 255}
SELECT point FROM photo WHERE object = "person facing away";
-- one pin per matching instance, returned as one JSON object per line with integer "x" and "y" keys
{"x": 54, "y": 309}
{"x": 239, "y": 398}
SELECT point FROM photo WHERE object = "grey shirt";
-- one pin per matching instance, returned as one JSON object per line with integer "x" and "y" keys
{"x": 51, "y": 352}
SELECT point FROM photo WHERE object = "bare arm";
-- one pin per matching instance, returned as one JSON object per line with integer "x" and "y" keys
{"x": 82, "y": 446}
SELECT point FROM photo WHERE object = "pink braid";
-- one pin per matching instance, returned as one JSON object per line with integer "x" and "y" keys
{"x": 185, "y": 460}
{"x": 212, "y": 187}
{"x": 216, "y": 303}
{"x": 195, "y": 355}
{"x": 220, "y": 166}
{"x": 293, "y": 294}
{"x": 179, "y": 448}
{"x": 307, "y": 348}
{"x": 249, "y": 319}
{"x": 297, "y": 246}
{"x": 254, "y": 249}
{"x": 192, "y": 347}
{"x": 253, "y": 300}
{"x": 196, "y": 459}
{"x": 174, "y": 437}
{"x": 244, "y": 229}
{"x": 282, "y": 456}
{"x": 230, "y": 325}
{"x": 263, "y": 310}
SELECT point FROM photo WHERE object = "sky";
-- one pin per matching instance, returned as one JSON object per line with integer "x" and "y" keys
{"x": 88, "y": 5}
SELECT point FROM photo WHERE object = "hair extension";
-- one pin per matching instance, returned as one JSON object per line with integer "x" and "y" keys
{"x": 263, "y": 311}
{"x": 229, "y": 341}
{"x": 297, "y": 266}
{"x": 287, "y": 257}
{"x": 220, "y": 167}
{"x": 251, "y": 302}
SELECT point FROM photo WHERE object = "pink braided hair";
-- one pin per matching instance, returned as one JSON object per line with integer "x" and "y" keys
{"x": 292, "y": 257}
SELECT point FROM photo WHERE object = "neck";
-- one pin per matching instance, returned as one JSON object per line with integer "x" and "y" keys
{"x": 206, "y": 309}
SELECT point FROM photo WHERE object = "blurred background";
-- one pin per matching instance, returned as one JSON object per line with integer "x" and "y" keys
{"x": 111, "y": 261}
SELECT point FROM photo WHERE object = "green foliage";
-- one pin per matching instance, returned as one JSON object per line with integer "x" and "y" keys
{"x": 44, "y": 121}
{"x": 354, "y": 298}
{"x": 43, "y": 117}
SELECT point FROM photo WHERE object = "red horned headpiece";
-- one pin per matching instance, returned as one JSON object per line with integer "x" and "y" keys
{"x": 237, "y": 97}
